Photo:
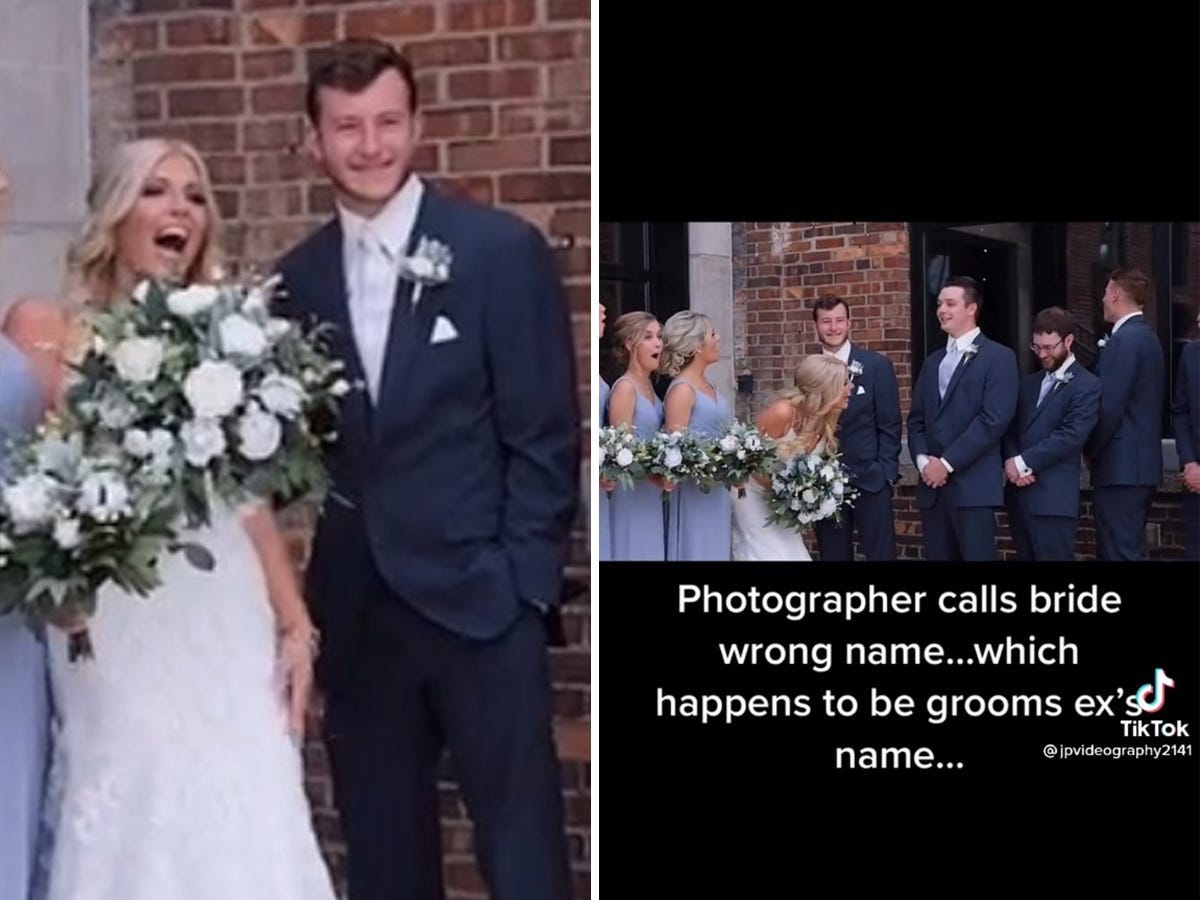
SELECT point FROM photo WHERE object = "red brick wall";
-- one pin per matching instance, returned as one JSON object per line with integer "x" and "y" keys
{"x": 505, "y": 85}
{"x": 780, "y": 267}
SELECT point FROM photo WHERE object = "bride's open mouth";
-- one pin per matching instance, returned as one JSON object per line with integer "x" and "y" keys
{"x": 172, "y": 241}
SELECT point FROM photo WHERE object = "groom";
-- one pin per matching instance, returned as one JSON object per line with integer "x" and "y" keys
{"x": 963, "y": 402}
{"x": 441, "y": 548}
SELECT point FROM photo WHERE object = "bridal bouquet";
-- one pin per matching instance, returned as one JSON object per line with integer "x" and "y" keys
{"x": 76, "y": 514}
{"x": 677, "y": 456}
{"x": 740, "y": 452}
{"x": 618, "y": 457}
{"x": 245, "y": 399}
{"x": 809, "y": 487}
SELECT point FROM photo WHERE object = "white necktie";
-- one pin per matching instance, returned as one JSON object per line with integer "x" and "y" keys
{"x": 1047, "y": 386}
{"x": 374, "y": 304}
{"x": 946, "y": 369}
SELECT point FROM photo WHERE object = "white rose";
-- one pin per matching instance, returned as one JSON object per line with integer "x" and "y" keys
{"x": 66, "y": 533}
{"x": 827, "y": 473}
{"x": 282, "y": 395}
{"x": 29, "y": 501}
{"x": 809, "y": 495}
{"x": 259, "y": 434}
{"x": 826, "y": 508}
{"x": 340, "y": 388}
{"x": 728, "y": 443}
{"x": 189, "y": 301}
{"x": 241, "y": 337}
{"x": 161, "y": 442}
{"x": 137, "y": 443}
{"x": 673, "y": 458}
{"x": 203, "y": 439}
{"x": 753, "y": 443}
{"x": 277, "y": 328}
{"x": 624, "y": 457}
{"x": 839, "y": 488}
{"x": 103, "y": 496}
{"x": 421, "y": 268}
{"x": 138, "y": 359}
{"x": 213, "y": 389}
{"x": 741, "y": 454}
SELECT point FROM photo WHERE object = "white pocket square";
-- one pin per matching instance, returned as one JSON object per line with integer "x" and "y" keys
{"x": 861, "y": 390}
{"x": 443, "y": 330}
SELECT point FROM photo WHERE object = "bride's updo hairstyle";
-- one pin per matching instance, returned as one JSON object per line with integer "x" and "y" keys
{"x": 92, "y": 263}
{"x": 628, "y": 329}
{"x": 820, "y": 385}
{"x": 683, "y": 335}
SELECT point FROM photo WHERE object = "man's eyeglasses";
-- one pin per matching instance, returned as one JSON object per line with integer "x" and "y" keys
{"x": 1039, "y": 349}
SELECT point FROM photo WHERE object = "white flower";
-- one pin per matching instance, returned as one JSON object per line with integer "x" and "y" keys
{"x": 192, "y": 300}
{"x": 673, "y": 458}
{"x": 104, "y": 496}
{"x": 138, "y": 359}
{"x": 203, "y": 439}
{"x": 141, "y": 291}
{"x": 827, "y": 507}
{"x": 161, "y": 442}
{"x": 277, "y": 328}
{"x": 137, "y": 443}
{"x": 809, "y": 496}
{"x": 855, "y": 368}
{"x": 255, "y": 302}
{"x": 429, "y": 265}
{"x": 5, "y": 542}
{"x": 116, "y": 412}
{"x": 969, "y": 351}
{"x": 66, "y": 533}
{"x": 827, "y": 473}
{"x": 753, "y": 443}
{"x": 728, "y": 443}
{"x": 340, "y": 388}
{"x": 1062, "y": 376}
{"x": 30, "y": 501}
{"x": 259, "y": 434}
{"x": 213, "y": 389}
{"x": 624, "y": 457}
{"x": 1102, "y": 342}
{"x": 241, "y": 337}
{"x": 839, "y": 488}
{"x": 99, "y": 345}
{"x": 282, "y": 395}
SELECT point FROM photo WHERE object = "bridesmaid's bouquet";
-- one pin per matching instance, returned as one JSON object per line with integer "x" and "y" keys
{"x": 677, "y": 456}
{"x": 76, "y": 514}
{"x": 809, "y": 487}
{"x": 618, "y": 456}
{"x": 741, "y": 452}
{"x": 245, "y": 399}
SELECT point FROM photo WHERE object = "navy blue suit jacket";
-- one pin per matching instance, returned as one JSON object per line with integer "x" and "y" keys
{"x": 460, "y": 486}
{"x": 1126, "y": 447}
{"x": 1050, "y": 439}
{"x": 967, "y": 426}
{"x": 869, "y": 427}
{"x": 1186, "y": 408}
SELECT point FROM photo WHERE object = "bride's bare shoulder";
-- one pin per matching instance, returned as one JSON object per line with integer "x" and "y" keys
{"x": 776, "y": 419}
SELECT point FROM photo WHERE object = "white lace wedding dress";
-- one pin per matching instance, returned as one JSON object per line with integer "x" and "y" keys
{"x": 174, "y": 776}
{"x": 756, "y": 541}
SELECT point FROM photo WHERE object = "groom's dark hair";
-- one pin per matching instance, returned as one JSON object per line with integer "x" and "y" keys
{"x": 828, "y": 301}
{"x": 970, "y": 291}
{"x": 353, "y": 65}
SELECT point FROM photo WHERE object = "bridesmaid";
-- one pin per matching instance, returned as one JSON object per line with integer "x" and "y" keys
{"x": 698, "y": 524}
{"x": 637, "y": 514}
{"x": 24, "y": 694}
{"x": 604, "y": 522}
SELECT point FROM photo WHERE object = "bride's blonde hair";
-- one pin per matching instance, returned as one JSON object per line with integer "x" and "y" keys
{"x": 820, "y": 383}
{"x": 683, "y": 335}
{"x": 92, "y": 269}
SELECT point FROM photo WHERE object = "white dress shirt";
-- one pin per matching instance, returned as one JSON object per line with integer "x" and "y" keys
{"x": 1121, "y": 321}
{"x": 842, "y": 352}
{"x": 372, "y": 250}
{"x": 1023, "y": 469}
{"x": 961, "y": 343}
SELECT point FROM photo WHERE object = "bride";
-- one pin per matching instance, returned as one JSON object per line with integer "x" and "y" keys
{"x": 176, "y": 769}
{"x": 802, "y": 420}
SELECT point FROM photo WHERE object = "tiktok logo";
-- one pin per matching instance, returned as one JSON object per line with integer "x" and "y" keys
{"x": 1152, "y": 697}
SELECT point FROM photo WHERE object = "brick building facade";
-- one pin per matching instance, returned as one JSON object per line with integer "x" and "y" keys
{"x": 757, "y": 281}
{"x": 505, "y": 85}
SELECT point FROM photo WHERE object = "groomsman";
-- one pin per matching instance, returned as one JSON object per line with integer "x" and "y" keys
{"x": 1186, "y": 410}
{"x": 1124, "y": 452}
{"x": 964, "y": 399}
{"x": 1056, "y": 411}
{"x": 868, "y": 440}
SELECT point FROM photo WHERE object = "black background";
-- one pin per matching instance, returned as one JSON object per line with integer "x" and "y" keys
{"x": 757, "y": 808}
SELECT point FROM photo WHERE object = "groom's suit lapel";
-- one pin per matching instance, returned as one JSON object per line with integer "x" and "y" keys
{"x": 327, "y": 277}
{"x": 963, "y": 361}
{"x": 410, "y": 327}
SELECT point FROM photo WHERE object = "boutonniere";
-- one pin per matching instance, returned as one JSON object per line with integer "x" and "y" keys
{"x": 1060, "y": 378}
{"x": 969, "y": 352}
{"x": 429, "y": 265}
{"x": 1100, "y": 344}
{"x": 855, "y": 368}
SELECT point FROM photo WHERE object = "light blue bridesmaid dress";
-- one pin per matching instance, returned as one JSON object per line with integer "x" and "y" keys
{"x": 604, "y": 523}
{"x": 637, "y": 514}
{"x": 24, "y": 697}
{"x": 699, "y": 525}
